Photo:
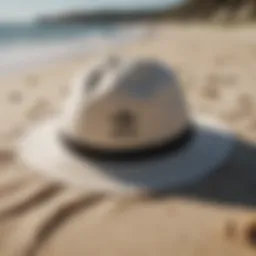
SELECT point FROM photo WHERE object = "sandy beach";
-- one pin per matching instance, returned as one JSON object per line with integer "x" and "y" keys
{"x": 215, "y": 65}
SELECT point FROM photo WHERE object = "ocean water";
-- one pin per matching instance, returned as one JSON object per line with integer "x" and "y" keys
{"x": 13, "y": 34}
{"x": 26, "y": 45}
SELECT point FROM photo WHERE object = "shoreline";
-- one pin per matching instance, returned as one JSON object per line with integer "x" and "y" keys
{"x": 32, "y": 57}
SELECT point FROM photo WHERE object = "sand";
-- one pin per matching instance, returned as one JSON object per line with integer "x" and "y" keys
{"x": 216, "y": 67}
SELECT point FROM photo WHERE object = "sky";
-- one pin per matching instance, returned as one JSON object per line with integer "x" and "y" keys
{"x": 27, "y": 9}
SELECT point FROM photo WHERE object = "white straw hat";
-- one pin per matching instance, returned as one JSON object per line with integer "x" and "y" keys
{"x": 125, "y": 127}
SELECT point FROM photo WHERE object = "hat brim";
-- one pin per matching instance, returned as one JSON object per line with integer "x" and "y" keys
{"x": 43, "y": 152}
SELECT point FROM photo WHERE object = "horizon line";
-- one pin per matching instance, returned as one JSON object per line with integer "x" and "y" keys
{"x": 34, "y": 17}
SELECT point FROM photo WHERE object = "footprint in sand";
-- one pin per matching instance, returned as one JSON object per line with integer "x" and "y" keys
{"x": 253, "y": 125}
{"x": 15, "y": 97}
{"x": 238, "y": 108}
{"x": 250, "y": 234}
{"x": 223, "y": 79}
{"x": 211, "y": 91}
{"x": 215, "y": 83}
{"x": 230, "y": 229}
{"x": 246, "y": 104}
{"x": 212, "y": 88}
{"x": 7, "y": 154}
{"x": 15, "y": 133}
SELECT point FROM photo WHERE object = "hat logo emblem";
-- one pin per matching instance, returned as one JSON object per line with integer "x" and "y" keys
{"x": 124, "y": 124}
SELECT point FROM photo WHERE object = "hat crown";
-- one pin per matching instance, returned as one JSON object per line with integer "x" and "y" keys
{"x": 125, "y": 105}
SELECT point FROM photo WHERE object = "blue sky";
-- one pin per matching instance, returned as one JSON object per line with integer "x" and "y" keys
{"x": 26, "y": 9}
